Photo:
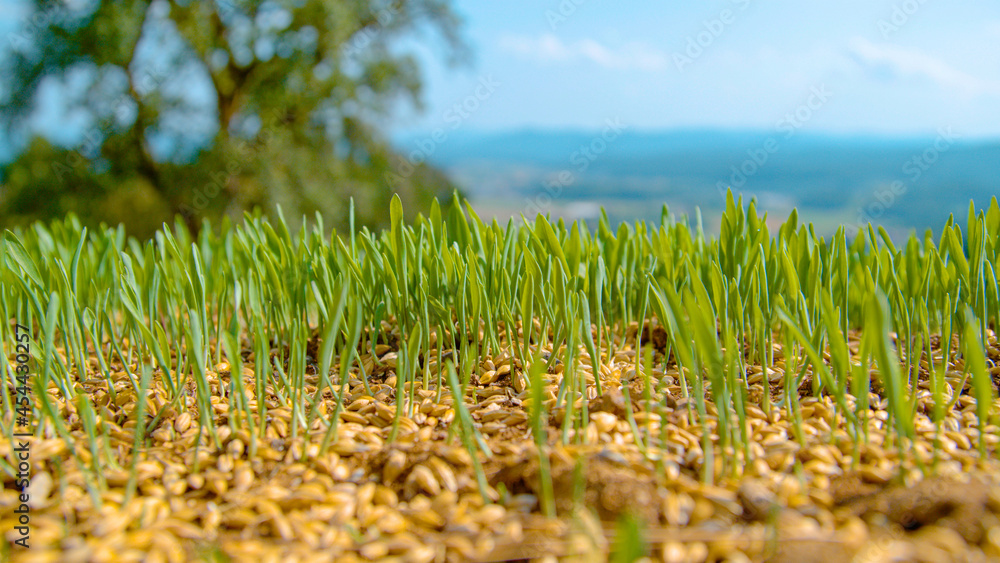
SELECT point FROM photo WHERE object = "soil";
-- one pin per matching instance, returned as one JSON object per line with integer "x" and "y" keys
{"x": 609, "y": 485}
{"x": 967, "y": 507}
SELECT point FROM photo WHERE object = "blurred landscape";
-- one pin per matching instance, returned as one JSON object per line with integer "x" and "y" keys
{"x": 136, "y": 113}
{"x": 902, "y": 183}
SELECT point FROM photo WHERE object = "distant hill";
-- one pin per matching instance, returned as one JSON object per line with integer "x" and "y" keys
{"x": 902, "y": 183}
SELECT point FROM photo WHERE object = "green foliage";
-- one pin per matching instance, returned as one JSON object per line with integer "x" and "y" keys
{"x": 630, "y": 544}
{"x": 298, "y": 95}
{"x": 539, "y": 292}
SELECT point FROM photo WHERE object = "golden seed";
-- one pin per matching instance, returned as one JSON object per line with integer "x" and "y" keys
{"x": 494, "y": 415}
{"x": 394, "y": 466}
{"x": 235, "y": 447}
{"x": 242, "y": 479}
{"x": 195, "y": 481}
{"x": 385, "y": 496}
{"x": 673, "y": 552}
{"x": 427, "y": 518}
{"x": 391, "y": 522}
{"x": 457, "y": 456}
{"x": 385, "y": 412}
{"x": 424, "y": 478}
{"x": 491, "y": 514}
{"x": 182, "y": 422}
{"x": 444, "y": 474}
{"x": 874, "y": 475}
{"x": 604, "y": 421}
{"x": 225, "y": 463}
{"x": 519, "y": 382}
{"x": 218, "y": 486}
{"x": 488, "y": 377}
{"x": 374, "y": 550}
{"x": 515, "y": 418}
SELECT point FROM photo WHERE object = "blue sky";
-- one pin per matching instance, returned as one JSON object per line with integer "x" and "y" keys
{"x": 888, "y": 67}
{"x": 896, "y": 67}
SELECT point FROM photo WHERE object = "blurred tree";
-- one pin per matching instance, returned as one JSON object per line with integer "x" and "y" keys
{"x": 210, "y": 108}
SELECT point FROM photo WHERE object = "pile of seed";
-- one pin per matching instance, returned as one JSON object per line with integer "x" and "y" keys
{"x": 814, "y": 494}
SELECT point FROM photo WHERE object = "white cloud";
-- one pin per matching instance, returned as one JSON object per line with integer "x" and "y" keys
{"x": 894, "y": 62}
{"x": 549, "y": 48}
